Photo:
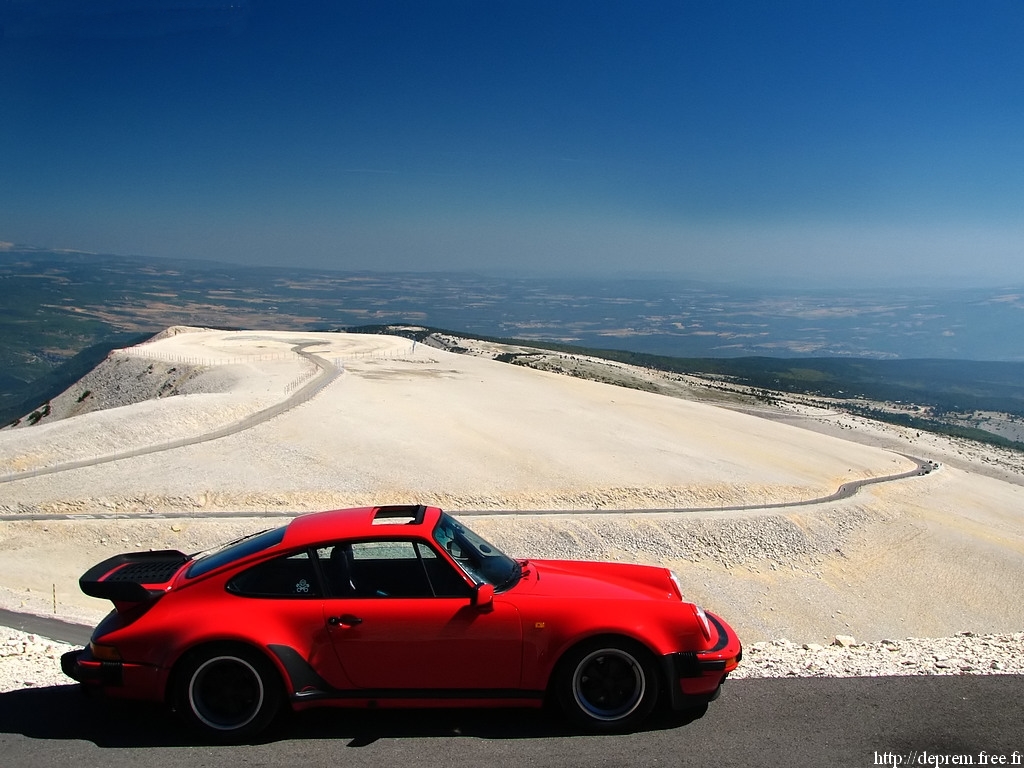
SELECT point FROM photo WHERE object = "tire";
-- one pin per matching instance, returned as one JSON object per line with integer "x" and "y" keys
{"x": 607, "y": 685}
{"x": 228, "y": 694}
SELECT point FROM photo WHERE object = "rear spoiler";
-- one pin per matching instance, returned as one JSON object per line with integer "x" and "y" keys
{"x": 134, "y": 577}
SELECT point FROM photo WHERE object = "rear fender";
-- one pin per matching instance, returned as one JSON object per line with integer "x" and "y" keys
{"x": 171, "y": 676}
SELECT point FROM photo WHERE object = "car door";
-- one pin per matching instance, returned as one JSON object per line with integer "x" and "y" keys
{"x": 280, "y": 603}
{"x": 403, "y": 619}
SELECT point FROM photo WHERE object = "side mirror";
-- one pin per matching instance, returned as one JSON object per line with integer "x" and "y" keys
{"x": 483, "y": 595}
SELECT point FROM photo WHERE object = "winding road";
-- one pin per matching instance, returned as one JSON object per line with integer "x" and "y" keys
{"x": 845, "y": 491}
{"x": 328, "y": 373}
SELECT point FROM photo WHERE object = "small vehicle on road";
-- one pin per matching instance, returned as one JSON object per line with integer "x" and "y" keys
{"x": 395, "y": 606}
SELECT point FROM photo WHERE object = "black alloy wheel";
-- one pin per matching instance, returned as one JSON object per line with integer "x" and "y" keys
{"x": 228, "y": 694}
{"x": 609, "y": 685}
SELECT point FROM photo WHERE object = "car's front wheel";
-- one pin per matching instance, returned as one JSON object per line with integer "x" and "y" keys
{"x": 608, "y": 685}
{"x": 227, "y": 693}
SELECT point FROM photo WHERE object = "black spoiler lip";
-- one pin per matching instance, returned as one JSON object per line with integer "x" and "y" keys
{"x": 124, "y": 577}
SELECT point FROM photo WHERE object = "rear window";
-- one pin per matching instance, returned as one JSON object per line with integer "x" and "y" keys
{"x": 293, "y": 576}
{"x": 236, "y": 550}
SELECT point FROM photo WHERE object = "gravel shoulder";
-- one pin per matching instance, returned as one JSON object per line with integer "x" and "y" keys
{"x": 33, "y": 661}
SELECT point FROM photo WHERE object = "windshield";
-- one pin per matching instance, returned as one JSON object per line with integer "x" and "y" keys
{"x": 482, "y": 561}
{"x": 247, "y": 545}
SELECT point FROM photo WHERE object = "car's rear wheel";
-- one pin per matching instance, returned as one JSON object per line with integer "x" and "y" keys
{"x": 608, "y": 685}
{"x": 227, "y": 693}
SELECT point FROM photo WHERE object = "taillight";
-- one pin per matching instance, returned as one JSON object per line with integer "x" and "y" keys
{"x": 104, "y": 652}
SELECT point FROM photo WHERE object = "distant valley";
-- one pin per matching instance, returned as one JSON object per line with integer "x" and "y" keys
{"x": 61, "y": 312}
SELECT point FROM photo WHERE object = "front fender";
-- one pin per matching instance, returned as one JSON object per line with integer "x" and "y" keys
{"x": 550, "y": 631}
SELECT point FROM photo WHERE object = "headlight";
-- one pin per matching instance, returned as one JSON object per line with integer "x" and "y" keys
{"x": 675, "y": 581}
{"x": 702, "y": 618}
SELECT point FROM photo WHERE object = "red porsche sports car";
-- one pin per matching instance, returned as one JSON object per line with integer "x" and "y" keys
{"x": 396, "y": 606}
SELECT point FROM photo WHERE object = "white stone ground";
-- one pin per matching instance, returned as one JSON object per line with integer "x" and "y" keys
{"x": 928, "y": 557}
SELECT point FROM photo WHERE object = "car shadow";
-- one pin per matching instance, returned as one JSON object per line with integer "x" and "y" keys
{"x": 66, "y": 712}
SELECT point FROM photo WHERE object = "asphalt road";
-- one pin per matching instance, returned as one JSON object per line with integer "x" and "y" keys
{"x": 774, "y": 722}
{"x": 51, "y": 627}
{"x": 845, "y": 491}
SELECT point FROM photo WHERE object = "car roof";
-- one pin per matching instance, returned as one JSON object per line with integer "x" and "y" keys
{"x": 359, "y": 522}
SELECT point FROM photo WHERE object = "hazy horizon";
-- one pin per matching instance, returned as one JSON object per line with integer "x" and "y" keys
{"x": 753, "y": 283}
{"x": 794, "y": 143}
{"x": 640, "y": 313}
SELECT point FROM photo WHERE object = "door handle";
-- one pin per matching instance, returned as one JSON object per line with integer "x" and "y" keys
{"x": 345, "y": 620}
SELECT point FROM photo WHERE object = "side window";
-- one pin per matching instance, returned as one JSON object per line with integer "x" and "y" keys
{"x": 445, "y": 580}
{"x": 389, "y": 569}
{"x": 292, "y": 576}
{"x": 384, "y": 550}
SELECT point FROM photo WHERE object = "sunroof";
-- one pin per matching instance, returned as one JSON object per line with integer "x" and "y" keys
{"x": 402, "y": 514}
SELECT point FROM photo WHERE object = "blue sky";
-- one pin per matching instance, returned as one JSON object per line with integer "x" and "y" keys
{"x": 831, "y": 143}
